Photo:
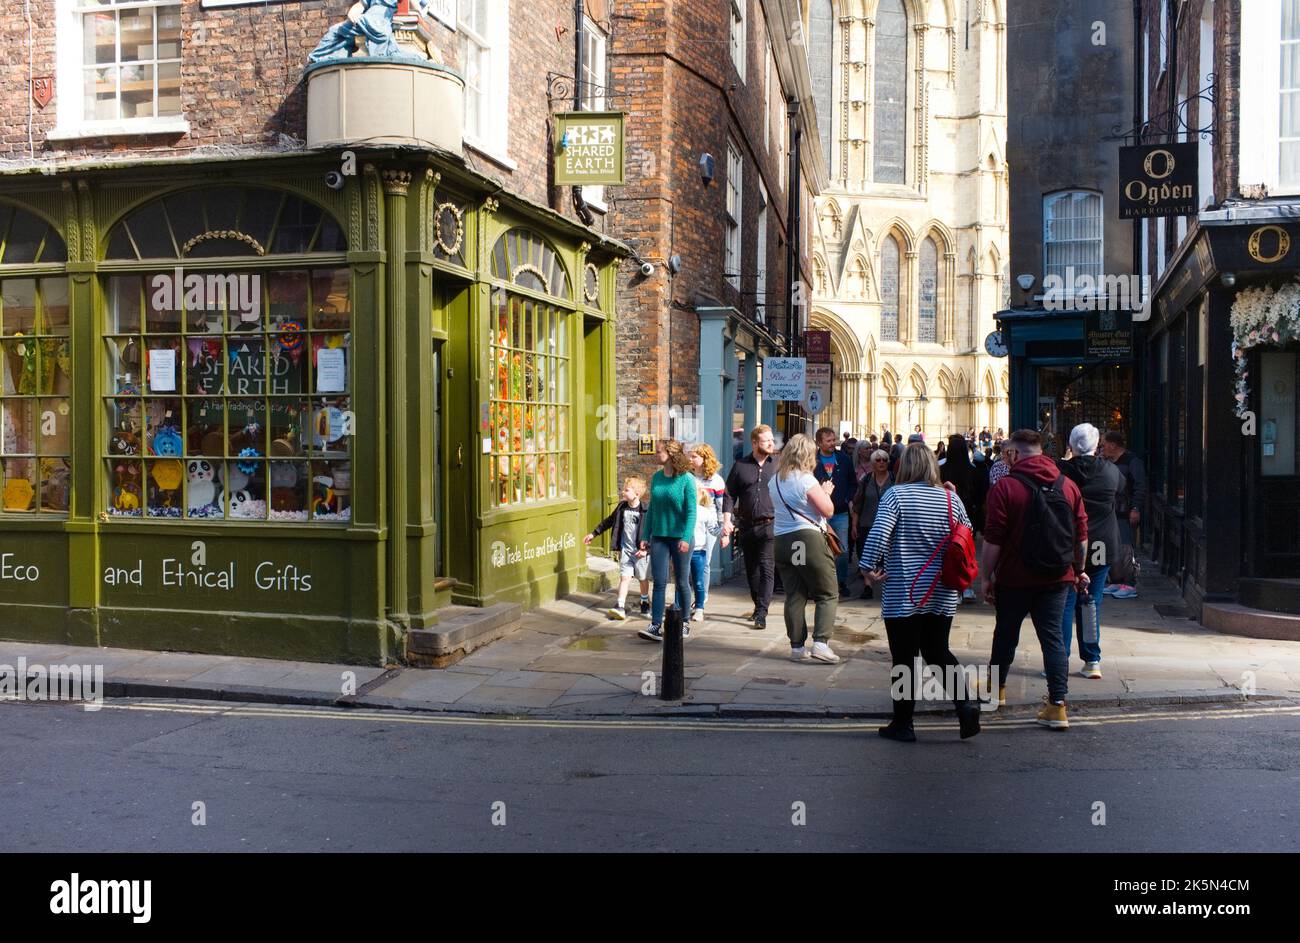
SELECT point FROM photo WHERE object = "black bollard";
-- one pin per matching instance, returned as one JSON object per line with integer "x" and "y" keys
{"x": 672, "y": 686}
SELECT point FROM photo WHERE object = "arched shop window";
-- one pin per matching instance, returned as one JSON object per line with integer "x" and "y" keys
{"x": 228, "y": 389}
{"x": 530, "y": 351}
{"x": 35, "y": 367}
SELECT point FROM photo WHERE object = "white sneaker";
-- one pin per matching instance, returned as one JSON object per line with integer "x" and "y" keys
{"x": 617, "y": 613}
{"x": 1092, "y": 671}
{"x": 798, "y": 653}
{"x": 822, "y": 652}
{"x": 698, "y": 616}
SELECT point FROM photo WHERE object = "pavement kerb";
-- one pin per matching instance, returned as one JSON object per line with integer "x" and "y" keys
{"x": 262, "y": 695}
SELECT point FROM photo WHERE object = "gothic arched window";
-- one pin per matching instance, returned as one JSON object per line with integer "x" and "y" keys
{"x": 927, "y": 331}
{"x": 890, "y": 134}
{"x": 889, "y": 290}
{"x": 821, "y": 36}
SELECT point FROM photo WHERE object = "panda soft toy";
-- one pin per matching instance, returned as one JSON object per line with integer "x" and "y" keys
{"x": 202, "y": 485}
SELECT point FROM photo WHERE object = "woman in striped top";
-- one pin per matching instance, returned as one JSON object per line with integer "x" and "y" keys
{"x": 912, "y": 524}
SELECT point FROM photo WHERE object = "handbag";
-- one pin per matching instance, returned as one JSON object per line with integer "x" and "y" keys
{"x": 1126, "y": 569}
{"x": 832, "y": 539}
{"x": 958, "y": 568}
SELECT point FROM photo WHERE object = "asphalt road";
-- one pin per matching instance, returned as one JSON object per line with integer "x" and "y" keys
{"x": 275, "y": 779}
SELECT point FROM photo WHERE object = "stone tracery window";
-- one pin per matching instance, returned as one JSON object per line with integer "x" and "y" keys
{"x": 927, "y": 328}
{"x": 889, "y": 257}
{"x": 889, "y": 135}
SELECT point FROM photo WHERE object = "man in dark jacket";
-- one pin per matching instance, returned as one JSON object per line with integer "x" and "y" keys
{"x": 1018, "y": 590}
{"x": 752, "y": 506}
{"x": 1130, "y": 501}
{"x": 1098, "y": 481}
{"x": 834, "y": 466}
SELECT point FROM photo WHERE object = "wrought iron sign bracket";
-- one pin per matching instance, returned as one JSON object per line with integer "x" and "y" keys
{"x": 1169, "y": 124}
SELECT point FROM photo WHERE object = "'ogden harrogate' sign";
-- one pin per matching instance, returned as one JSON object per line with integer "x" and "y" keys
{"x": 1157, "y": 180}
{"x": 589, "y": 148}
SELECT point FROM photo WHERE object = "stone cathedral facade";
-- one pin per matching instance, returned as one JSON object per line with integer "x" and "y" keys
{"x": 910, "y": 240}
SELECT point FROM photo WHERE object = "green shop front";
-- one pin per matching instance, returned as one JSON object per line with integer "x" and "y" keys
{"x": 243, "y": 412}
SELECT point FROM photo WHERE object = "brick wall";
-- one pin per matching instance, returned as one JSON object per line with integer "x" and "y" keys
{"x": 671, "y": 69}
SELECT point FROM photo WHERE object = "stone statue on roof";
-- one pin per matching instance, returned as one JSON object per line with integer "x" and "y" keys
{"x": 371, "y": 20}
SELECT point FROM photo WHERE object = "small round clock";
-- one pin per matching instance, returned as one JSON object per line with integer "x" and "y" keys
{"x": 995, "y": 345}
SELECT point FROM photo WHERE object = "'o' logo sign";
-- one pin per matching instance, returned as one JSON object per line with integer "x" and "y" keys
{"x": 1254, "y": 244}
{"x": 1149, "y": 164}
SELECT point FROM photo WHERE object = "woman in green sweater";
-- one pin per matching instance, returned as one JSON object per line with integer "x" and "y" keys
{"x": 668, "y": 533}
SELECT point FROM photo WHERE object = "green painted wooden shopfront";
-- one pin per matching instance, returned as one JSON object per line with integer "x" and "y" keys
{"x": 244, "y": 413}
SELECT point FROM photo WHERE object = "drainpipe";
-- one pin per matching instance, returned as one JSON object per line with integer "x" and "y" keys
{"x": 792, "y": 248}
{"x": 579, "y": 204}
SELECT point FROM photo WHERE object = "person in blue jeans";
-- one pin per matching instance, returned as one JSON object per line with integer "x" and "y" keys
{"x": 668, "y": 533}
{"x": 1098, "y": 481}
{"x": 834, "y": 466}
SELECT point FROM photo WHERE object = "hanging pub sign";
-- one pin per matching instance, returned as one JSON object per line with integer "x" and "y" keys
{"x": 1157, "y": 180}
{"x": 817, "y": 346}
{"x": 589, "y": 148}
{"x": 1108, "y": 335}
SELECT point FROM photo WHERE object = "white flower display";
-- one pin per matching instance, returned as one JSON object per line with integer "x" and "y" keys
{"x": 1261, "y": 316}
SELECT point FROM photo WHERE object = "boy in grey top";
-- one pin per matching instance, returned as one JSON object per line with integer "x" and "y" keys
{"x": 626, "y": 521}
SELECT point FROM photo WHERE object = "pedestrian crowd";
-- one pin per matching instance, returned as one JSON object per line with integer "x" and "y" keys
{"x": 1057, "y": 536}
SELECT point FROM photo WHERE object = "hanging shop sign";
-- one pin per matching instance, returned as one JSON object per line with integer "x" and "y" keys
{"x": 818, "y": 384}
{"x": 784, "y": 378}
{"x": 1158, "y": 180}
{"x": 1108, "y": 335}
{"x": 817, "y": 346}
{"x": 589, "y": 148}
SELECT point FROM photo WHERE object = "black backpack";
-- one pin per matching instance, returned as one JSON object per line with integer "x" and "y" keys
{"x": 1047, "y": 544}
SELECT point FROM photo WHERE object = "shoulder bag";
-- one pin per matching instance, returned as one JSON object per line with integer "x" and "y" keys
{"x": 832, "y": 540}
{"x": 958, "y": 568}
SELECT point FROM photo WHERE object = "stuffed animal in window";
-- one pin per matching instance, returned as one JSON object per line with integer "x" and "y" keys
{"x": 325, "y": 501}
{"x": 284, "y": 487}
{"x": 123, "y": 442}
{"x": 203, "y": 487}
{"x": 127, "y": 487}
{"x": 167, "y": 441}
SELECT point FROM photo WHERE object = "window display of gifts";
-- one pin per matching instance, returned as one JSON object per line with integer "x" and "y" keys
{"x": 164, "y": 495}
{"x": 202, "y": 490}
{"x": 18, "y": 494}
{"x": 56, "y": 484}
{"x": 287, "y": 502}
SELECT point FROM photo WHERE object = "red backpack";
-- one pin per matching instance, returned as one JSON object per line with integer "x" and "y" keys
{"x": 959, "y": 567}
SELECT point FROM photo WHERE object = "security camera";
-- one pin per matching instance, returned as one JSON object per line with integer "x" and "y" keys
{"x": 334, "y": 180}
{"x": 675, "y": 264}
{"x": 647, "y": 268}
{"x": 1025, "y": 282}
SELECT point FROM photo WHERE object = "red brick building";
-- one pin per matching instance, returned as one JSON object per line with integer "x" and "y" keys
{"x": 708, "y": 88}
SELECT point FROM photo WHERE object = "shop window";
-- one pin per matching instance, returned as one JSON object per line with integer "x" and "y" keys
{"x": 238, "y": 407}
{"x": 228, "y": 390}
{"x": 529, "y": 400}
{"x": 224, "y": 222}
{"x": 526, "y": 259}
{"x": 1277, "y": 418}
{"x": 35, "y": 395}
{"x": 26, "y": 239}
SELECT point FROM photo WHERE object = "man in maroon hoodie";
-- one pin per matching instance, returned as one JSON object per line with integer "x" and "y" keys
{"x": 1017, "y": 589}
